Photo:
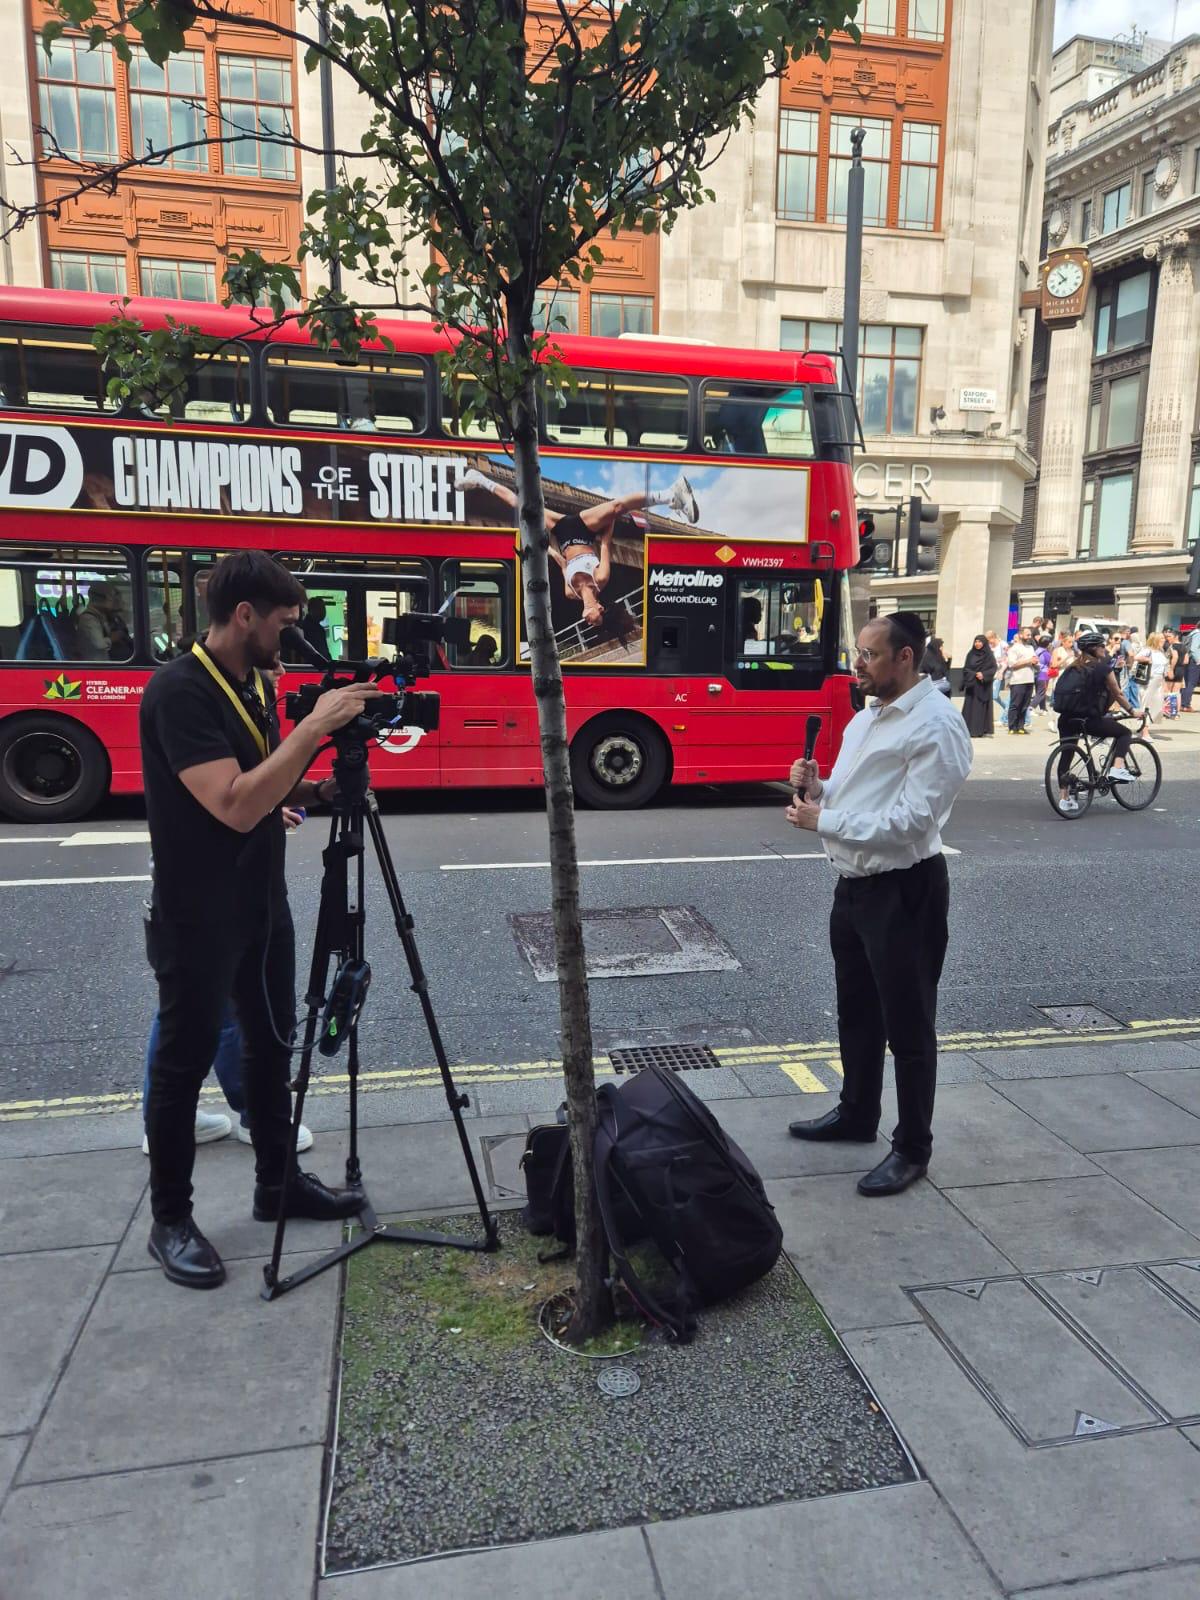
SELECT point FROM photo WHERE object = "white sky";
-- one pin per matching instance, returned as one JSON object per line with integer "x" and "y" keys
{"x": 1106, "y": 18}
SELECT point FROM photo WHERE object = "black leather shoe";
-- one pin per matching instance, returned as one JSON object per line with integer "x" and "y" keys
{"x": 893, "y": 1174}
{"x": 307, "y": 1197}
{"x": 832, "y": 1125}
{"x": 185, "y": 1255}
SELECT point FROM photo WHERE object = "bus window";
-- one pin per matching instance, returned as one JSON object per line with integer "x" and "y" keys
{"x": 394, "y": 599}
{"x": 482, "y": 424}
{"x": 39, "y": 367}
{"x": 217, "y": 392}
{"x": 620, "y": 408}
{"x": 479, "y": 589}
{"x": 778, "y": 624}
{"x": 63, "y": 605}
{"x": 375, "y": 394}
{"x": 757, "y": 419}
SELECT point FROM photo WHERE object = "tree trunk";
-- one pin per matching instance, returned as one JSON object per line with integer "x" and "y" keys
{"x": 593, "y": 1301}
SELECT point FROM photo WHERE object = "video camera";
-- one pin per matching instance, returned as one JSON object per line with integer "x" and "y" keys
{"x": 413, "y": 635}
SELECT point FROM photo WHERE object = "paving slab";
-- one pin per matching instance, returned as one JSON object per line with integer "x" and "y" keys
{"x": 980, "y": 1137}
{"x": 1082, "y": 1060}
{"x": 52, "y": 1202}
{"x": 602, "y": 1566}
{"x": 1183, "y": 1277}
{"x": 1107, "y": 1112}
{"x": 900, "y": 1542}
{"x": 422, "y": 1166}
{"x": 1038, "y": 1517}
{"x": 1030, "y": 1362}
{"x": 1168, "y": 1179}
{"x": 1056, "y": 1224}
{"x": 10, "y": 1454}
{"x": 212, "y": 1531}
{"x": 329, "y": 1113}
{"x": 40, "y": 1135}
{"x": 1153, "y": 1339}
{"x": 855, "y": 1254}
{"x": 163, "y": 1375}
{"x": 45, "y": 1298}
{"x": 1181, "y": 1085}
{"x": 1149, "y": 1583}
{"x": 760, "y": 1127}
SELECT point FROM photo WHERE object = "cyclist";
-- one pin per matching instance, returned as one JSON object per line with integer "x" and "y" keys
{"x": 1082, "y": 697}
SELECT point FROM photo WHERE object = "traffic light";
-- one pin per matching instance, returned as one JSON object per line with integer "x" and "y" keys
{"x": 1193, "y": 579}
{"x": 921, "y": 550}
{"x": 875, "y": 554}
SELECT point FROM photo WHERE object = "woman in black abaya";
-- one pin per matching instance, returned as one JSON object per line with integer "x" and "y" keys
{"x": 979, "y": 669}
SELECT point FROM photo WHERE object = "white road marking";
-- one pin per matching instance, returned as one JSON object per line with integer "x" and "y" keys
{"x": 84, "y": 837}
{"x": 59, "y": 883}
{"x": 36, "y": 838}
{"x": 630, "y": 861}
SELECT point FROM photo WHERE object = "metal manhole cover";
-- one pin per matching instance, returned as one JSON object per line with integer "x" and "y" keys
{"x": 671, "y": 1057}
{"x": 618, "y": 1382}
{"x": 628, "y": 942}
{"x": 1079, "y": 1019}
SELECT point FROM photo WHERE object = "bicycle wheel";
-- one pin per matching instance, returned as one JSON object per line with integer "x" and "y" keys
{"x": 1143, "y": 762}
{"x": 1078, "y": 780}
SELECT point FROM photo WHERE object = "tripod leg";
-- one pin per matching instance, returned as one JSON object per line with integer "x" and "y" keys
{"x": 420, "y": 987}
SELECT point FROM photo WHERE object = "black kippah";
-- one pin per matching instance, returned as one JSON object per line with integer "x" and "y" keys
{"x": 913, "y": 629}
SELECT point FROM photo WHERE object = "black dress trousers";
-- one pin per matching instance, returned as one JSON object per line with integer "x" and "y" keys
{"x": 889, "y": 934}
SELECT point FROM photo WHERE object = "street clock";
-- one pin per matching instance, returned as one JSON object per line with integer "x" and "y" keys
{"x": 1066, "y": 278}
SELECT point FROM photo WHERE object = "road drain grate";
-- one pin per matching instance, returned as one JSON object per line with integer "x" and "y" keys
{"x": 670, "y": 1057}
{"x": 1079, "y": 1019}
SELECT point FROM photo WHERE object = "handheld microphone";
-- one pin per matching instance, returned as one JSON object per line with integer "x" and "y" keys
{"x": 812, "y": 729}
{"x": 299, "y": 645}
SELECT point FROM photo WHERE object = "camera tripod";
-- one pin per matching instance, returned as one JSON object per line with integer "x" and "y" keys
{"x": 341, "y": 930}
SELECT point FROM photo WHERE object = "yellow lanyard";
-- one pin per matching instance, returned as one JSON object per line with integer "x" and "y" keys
{"x": 256, "y": 733}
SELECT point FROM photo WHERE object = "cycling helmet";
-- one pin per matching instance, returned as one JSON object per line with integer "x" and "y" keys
{"x": 1089, "y": 639}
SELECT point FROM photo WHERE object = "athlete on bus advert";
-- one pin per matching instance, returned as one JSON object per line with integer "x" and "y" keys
{"x": 220, "y": 931}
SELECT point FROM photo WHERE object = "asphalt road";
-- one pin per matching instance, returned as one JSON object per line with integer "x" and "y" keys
{"x": 1044, "y": 912}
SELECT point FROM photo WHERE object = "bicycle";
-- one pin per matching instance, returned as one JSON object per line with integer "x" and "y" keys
{"x": 1086, "y": 777}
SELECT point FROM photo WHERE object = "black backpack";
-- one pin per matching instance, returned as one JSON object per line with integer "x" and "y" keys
{"x": 663, "y": 1158}
{"x": 1072, "y": 696}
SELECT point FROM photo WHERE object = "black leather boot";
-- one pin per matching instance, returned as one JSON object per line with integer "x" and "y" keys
{"x": 185, "y": 1255}
{"x": 307, "y": 1197}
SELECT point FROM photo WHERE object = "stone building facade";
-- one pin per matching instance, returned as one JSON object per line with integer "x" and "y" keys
{"x": 1115, "y": 507}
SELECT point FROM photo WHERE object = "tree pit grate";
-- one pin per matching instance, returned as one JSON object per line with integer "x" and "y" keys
{"x": 670, "y": 1057}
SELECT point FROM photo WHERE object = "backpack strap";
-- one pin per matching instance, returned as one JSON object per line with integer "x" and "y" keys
{"x": 680, "y": 1324}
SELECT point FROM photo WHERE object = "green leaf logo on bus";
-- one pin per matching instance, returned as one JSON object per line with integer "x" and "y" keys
{"x": 63, "y": 688}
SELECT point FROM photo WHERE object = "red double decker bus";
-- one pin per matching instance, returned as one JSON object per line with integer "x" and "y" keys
{"x": 701, "y": 511}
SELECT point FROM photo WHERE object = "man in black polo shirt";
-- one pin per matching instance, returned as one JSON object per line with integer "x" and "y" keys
{"x": 216, "y": 775}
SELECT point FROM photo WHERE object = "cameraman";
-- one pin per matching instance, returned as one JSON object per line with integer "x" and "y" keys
{"x": 216, "y": 776}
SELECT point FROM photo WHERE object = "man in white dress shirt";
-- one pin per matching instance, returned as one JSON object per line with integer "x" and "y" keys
{"x": 879, "y": 816}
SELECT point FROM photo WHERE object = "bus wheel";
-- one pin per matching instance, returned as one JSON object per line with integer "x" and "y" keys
{"x": 51, "y": 769}
{"x": 618, "y": 762}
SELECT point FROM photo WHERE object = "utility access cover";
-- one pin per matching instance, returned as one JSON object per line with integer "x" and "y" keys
{"x": 633, "y": 942}
{"x": 1080, "y": 1019}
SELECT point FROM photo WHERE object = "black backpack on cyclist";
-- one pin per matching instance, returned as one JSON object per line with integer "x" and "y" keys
{"x": 1072, "y": 695}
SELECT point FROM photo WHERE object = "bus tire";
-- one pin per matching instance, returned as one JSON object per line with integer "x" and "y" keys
{"x": 618, "y": 761}
{"x": 51, "y": 769}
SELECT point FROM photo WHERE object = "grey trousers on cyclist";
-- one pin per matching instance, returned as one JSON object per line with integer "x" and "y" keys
{"x": 1098, "y": 728}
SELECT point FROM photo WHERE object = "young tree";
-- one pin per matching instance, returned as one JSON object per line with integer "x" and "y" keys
{"x": 505, "y": 139}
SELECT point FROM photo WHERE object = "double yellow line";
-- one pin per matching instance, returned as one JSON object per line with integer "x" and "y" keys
{"x": 813, "y": 1067}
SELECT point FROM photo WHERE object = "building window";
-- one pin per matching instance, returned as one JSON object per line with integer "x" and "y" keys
{"x": 927, "y": 19}
{"x": 914, "y": 19}
{"x": 614, "y": 314}
{"x": 889, "y": 369}
{"x": 877, "y": 16}
{"x": 1146, "y": 203}
{"x": 877, "y": 150}
{"x": 1122, "y": 314}
{"x": 78, "y": 100}
{"x": 167, "y": 108}
{"x": 256, "y": 105}
{"x": 178, "y": 280}
{"x": 1083, "y": 542}
{"x": 556, "y": 310}
{"x": 87, "y": 270}
{"x": 1085, "y": 221}
{"x": 1193, "y": 516}
{"x": 797, "y": 200}
{"x": 918, "y": 175}
{"x": 1114, "y": 417}
{"x": 1114, "y": 508}
{"x": 1116, "y": 207}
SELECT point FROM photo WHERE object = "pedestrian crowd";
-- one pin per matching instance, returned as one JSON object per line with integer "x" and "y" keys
{"x": 1014, "y": 679}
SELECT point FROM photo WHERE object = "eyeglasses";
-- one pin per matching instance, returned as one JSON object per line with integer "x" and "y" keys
{"x": 869, "y": 655}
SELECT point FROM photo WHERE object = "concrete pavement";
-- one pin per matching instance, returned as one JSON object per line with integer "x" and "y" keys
{"x": 1029, "y": 1316}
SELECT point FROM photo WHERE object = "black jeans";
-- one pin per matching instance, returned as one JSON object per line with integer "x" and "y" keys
{"x": 1191, "y": 677}
{"x": 200, "y": 969}
{"x": 1099, "y": 728}
{"x": 889, "y": 934}
{"x": 1019, "y": 696}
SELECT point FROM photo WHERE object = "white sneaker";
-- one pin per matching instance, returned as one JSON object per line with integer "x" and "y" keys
{"x": 210, "y": 1125}
{"x": 683, "y": 500}
{"x": 1121, "y": 775}
{"x": 303, "y": 1141}
{"x": 471, "y": 478}
{"x": 1068, "y": 805}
